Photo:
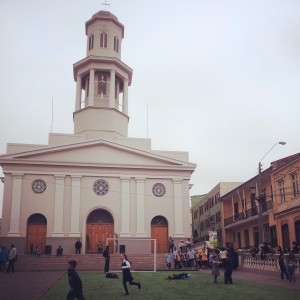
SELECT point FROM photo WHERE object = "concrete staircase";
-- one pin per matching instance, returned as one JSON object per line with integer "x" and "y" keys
{"x": 88, "y": 262}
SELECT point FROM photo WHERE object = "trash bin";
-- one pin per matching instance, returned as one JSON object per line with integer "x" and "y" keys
{"x": 122, "y": 249}
{"x": 48, "y": 249}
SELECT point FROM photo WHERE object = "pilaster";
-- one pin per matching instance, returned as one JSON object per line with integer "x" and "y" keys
{"x": 178, "y": 216}
{"x": 75, "y": 206}
{"x": 15, "y": 205}
{"x": 125, "y": 209}
{"x": 140, "y": 207}
{"x": 58, "y": 206}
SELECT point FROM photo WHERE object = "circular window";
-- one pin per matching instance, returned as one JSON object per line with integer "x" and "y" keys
{"x": 39, "y": 186}
{"x": 158, "y": 189}
{"x": 101, "y": 187}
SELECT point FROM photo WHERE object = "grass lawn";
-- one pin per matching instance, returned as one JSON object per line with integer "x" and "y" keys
{"x": 156, "y": 286}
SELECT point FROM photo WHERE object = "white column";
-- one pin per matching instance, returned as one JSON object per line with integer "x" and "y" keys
{"x": 125, "y": 97}
{"x": 112, "y": 89}
{"x": 140, "y": 207}
{"x": 178, "y": 215}
{"x": 16, "y": 197}
{"x": 75, "y": 206}
{"x": 125, "y": 210}
{"x": 58, "y": 206}
{"x": 91, "y": 87}
{"x": 78, "y": 93}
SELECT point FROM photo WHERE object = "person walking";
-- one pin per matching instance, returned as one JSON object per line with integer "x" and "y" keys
{"x": 59, "y": 251}
{"x": 171, "y": 244}
{"x": 106, "y": 255}
{"x": 198, "y": 259}
{"x": 282, "y": 266}
{"x": 204, "y": 257}
{"x": 127, "y": 277}
{"x": 3, "y": 259}
{"x": 215, "y": 267}
{"x": 227, "y": 266}
{"x": 12, "y": 258}
{"x": 178, "y": 260}
{"x": 75, "y": 282}
{"x": 191, "y": 258}
{"x": 175, "y": 257}
{"x": 188, "y": 244}
{"x": 169, "y": 259}
{"x": 100, "y": 247}
{"x": 78, "y": 246}
{"x": 181, "y": 245}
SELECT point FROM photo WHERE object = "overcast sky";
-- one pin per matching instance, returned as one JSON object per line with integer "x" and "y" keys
{"x": 221, "y": 79}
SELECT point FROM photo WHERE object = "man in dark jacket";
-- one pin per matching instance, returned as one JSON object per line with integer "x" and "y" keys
{"x": 106, "y": 255}
{"x": 75, "y": 282}
{"x": 228, "y": 266}
{"x": 282, "y": 266}
{"x": 78, "y": 246}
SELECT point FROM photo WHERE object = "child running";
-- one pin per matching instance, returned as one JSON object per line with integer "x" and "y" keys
{"x": 215, "y": 267}
{"x": 127, "y": 277}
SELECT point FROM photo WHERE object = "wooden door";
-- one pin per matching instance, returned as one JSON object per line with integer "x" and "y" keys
{"x": 160, "y": 233}
{"x": 36, "y": 236}
{"x": 96, "y": 233}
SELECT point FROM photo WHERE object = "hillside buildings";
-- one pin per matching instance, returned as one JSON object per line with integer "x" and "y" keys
{"x": 206, "y": 212}
{"x": 280, "y": 209}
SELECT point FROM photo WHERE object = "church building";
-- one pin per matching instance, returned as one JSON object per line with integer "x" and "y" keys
{"x": 97, "y": 183}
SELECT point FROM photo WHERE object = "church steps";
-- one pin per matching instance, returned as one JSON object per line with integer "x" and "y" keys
{"x": 88, "y": 262}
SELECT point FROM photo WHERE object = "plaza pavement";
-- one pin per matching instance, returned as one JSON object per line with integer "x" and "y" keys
{"x": 32, "y": 285}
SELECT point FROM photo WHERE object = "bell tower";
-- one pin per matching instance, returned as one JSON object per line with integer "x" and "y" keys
{"x": 102, "y": 81}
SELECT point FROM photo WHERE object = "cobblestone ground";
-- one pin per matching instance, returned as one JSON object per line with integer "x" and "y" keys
{"x": 34, "y": 284}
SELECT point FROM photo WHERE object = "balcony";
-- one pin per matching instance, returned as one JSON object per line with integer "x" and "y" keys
{"x": 251, "y": 212}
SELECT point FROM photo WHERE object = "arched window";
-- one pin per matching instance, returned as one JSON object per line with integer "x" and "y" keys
{"x": 103, "y": 40}
{"x": 100, "y": 216}
{"x": 37, "y": 219}
{"x": 91, "y": 42}
{"x": 102, "y": 84}
{"x": 116, "y": 44}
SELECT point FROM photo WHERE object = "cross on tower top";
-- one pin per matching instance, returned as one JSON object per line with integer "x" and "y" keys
{"x": 105, "y": 4}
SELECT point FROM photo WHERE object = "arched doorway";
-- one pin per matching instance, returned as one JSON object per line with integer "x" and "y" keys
{"x": 159, "y": 231}
{"x": 36, "y": 233}
{"x": 99, "y": 227}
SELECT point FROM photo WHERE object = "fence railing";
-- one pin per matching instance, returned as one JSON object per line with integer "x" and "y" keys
{"x": 270, "y": 263}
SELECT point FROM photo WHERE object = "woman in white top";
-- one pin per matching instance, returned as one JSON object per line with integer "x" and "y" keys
{"x": 127, "y": 277}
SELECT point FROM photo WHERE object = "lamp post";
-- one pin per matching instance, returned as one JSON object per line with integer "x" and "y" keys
{"x": 260, "y": 198}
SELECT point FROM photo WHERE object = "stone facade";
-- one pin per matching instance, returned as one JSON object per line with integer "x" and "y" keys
{"x": 97, "y": 183}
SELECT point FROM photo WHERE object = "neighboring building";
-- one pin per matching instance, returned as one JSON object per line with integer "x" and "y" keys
{"x": 96, "y": 183}
{"x": 285, "y": 179}
{"x": 240, "y": 213}
{"x": 280, "y": 207}
{"x": 206, "y": 212}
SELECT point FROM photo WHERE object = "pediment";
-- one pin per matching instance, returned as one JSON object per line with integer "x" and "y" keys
{"x": 95, "y": 153}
